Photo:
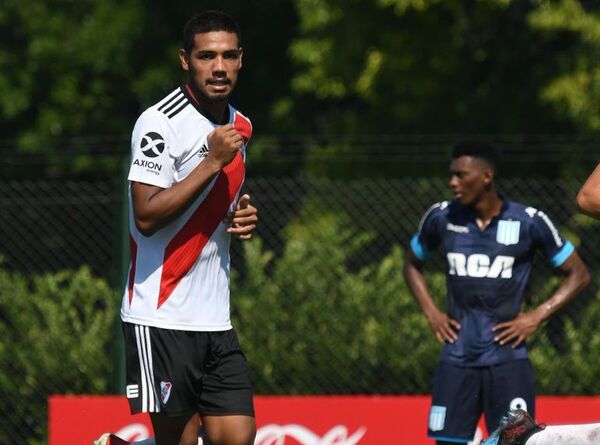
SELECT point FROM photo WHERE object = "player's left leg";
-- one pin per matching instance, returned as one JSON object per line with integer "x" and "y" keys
{"x": 229, "y": 430}
{"x": 182, "y": 430}
{"x": 508, "y": 386}
{"x": 226, "y": 404}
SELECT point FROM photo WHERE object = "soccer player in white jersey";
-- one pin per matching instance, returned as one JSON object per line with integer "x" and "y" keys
{"x": 520, "y": 429}
{"x": 183, "y": 361}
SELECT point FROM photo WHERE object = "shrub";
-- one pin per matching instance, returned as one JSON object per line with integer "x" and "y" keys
{"x": 312, "y": 324}
{"x": 56, "y": 331}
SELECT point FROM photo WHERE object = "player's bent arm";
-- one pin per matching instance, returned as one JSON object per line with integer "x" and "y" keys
{"x": 588, "y": 197}
{"x": 154, "y": 207}
{"x": 442, "y": 325}
{"x": 577, "y": 277}
{"x": 414, "y": 276}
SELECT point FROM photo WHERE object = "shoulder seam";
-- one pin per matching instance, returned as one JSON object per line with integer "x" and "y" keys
{"x": 442, "y": 205}
{"x": 168, "y": 98}
{"x": 174, "y": 103}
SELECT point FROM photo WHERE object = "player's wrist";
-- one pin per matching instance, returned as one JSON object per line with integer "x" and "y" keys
{"x": 213, "y": 164}
{"x": 542, "y": 312}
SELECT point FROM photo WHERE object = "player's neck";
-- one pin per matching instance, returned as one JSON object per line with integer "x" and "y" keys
{"x": 486, "y": 208}
{"x": 216, "y": 111}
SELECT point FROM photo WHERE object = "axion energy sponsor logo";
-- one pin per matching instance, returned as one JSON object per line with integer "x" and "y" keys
{"x": 152, "y": 144}
{"x": 151, "y": 166}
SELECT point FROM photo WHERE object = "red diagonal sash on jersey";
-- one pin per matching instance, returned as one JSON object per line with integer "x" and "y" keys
{"x": 243, "y": 127}
{"x": 133, "y": 250}
{"x": 185, "y": 248}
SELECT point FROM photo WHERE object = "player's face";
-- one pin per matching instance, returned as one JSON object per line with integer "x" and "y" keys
{"x": 469, "y": 179}
{"x": 213, "y": 64}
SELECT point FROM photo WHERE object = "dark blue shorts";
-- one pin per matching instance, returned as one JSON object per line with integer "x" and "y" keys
{"x": 461, "y": 394}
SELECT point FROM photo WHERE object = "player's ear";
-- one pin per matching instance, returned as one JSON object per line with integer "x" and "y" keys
{"x": 488, "y": 176}
{"x": 184, "y": 58}
{"x": 241, "y": 50}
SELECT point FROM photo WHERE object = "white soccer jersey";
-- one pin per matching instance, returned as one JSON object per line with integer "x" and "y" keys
{"x": 179, "y": 276}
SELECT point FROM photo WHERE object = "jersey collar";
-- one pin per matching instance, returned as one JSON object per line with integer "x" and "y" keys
{"x": 472, "y": 216}
{"x": 189, "y": 94}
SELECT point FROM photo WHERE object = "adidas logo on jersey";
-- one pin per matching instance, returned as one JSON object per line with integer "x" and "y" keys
{"x": 203, "y": 152}
{"x": 479, "y": 265}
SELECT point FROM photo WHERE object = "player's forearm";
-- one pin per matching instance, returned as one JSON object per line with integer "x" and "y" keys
{"x": 588, "y": 198}
{"x": 156, "y": 210}
{"x": 418, "y": 287}
{"x": 576, "y": 280}
{"x": 588, "y": 202}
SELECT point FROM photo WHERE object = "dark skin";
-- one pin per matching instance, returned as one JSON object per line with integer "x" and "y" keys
{"x": 212, "y": 67}
{"x": 588, "y": 197}
{"x": 472, "y": 185}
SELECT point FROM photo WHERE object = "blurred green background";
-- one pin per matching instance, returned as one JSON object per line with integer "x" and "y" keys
{"x": 355, "y": 106}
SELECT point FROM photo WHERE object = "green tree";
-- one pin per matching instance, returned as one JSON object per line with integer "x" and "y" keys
{"x": 394, "y": 66}
{"x": 312, "y": 324}
{"x": 56, "y": 331}
{"x": 74, "y": 75}
{"x": 65, "y": 68}
{"x": 574, "y": 89}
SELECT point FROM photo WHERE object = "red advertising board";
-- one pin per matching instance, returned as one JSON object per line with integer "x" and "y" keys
{"x": 297, "y": 420}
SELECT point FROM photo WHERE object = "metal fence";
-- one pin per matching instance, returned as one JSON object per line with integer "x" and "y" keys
{"x": 317, "y": 297}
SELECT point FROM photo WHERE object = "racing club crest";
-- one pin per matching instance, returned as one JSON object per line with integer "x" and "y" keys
{"x": 508, "y": 232}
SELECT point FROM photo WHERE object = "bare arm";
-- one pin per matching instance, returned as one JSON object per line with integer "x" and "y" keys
{"x": 588, "y": 198}
{"x": 154, "y": 207}
{"x": 576, "y": 279}
{"x": 441, "y": 324}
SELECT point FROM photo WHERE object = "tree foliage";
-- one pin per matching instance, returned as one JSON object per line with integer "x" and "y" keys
{"x": 311, "y": 320}
{"x": 574, "y": 90}
{"x": 65, "y": 67}
{"x": 312, "y": 323}
{"x": 56, "y": 331}
{"x": 422, "y": 66}
{"x": 75, "y": 75}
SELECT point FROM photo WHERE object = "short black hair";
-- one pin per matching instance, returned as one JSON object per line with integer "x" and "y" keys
{"x": 208, "y": 21}
{"x": 478, "y": 148}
